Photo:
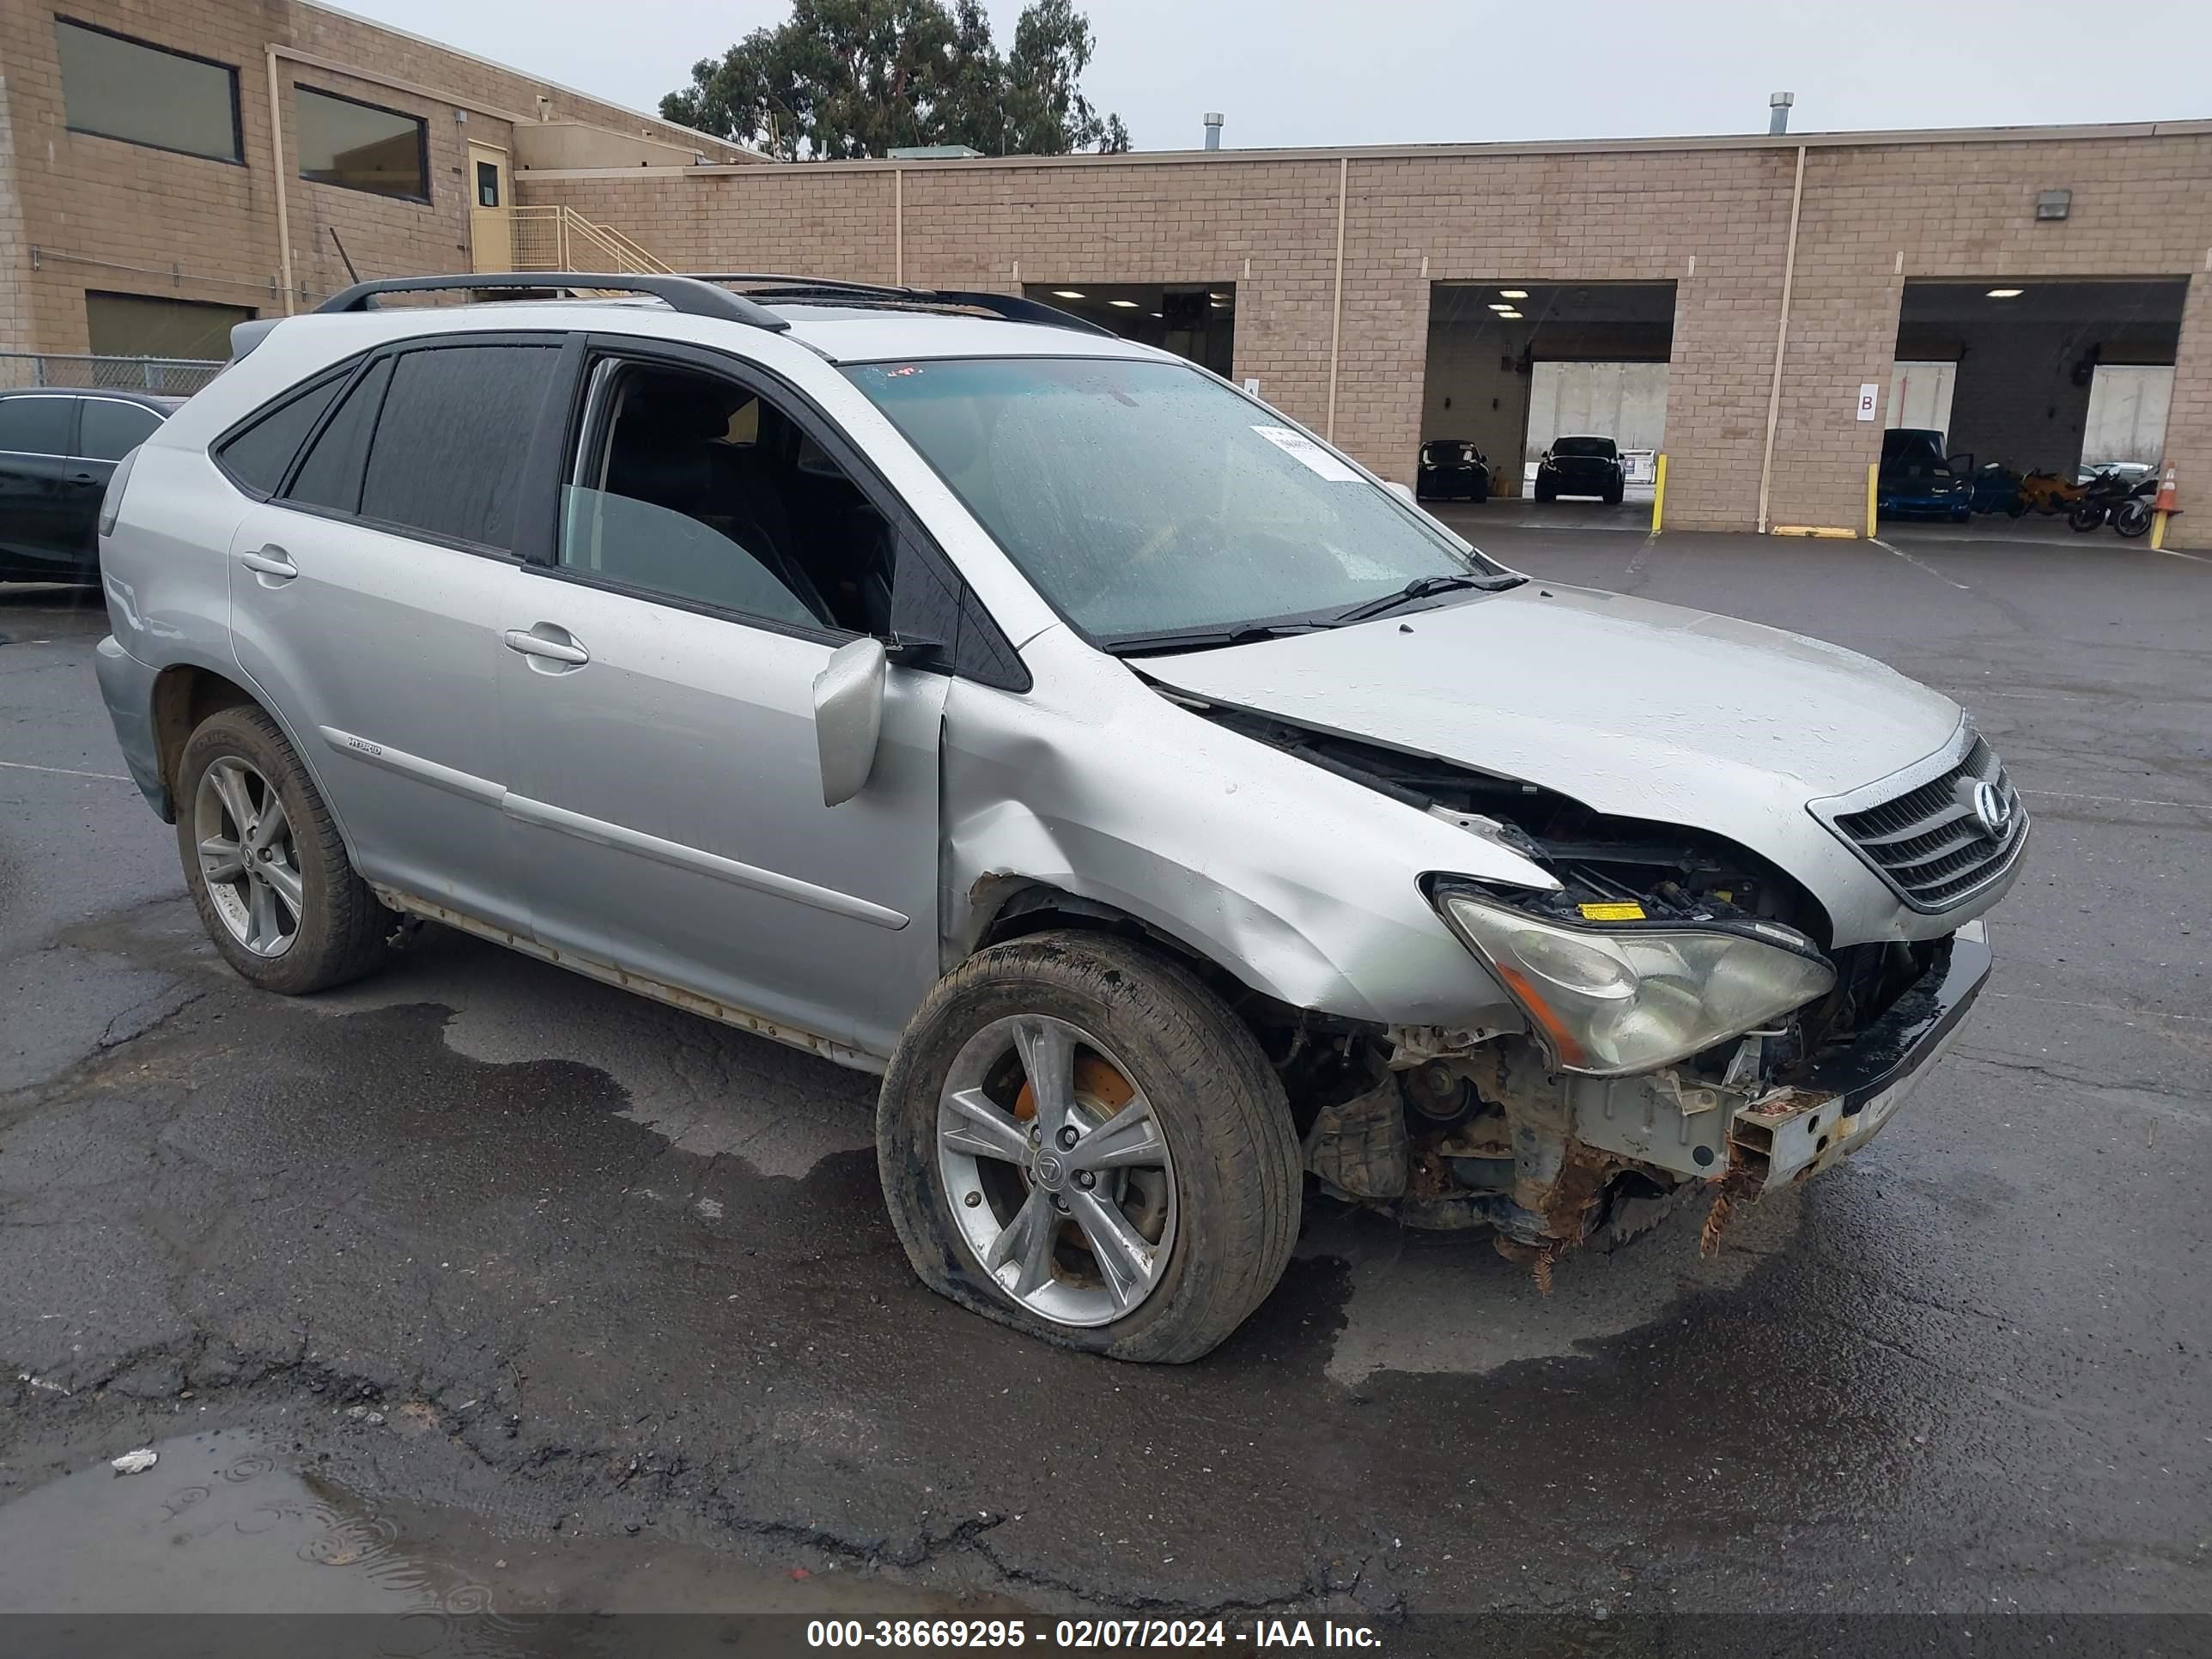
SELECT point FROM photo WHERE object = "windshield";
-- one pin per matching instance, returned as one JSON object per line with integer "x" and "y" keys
{"x": 1144, "y": 498}
{"x": 1603, "y": 446}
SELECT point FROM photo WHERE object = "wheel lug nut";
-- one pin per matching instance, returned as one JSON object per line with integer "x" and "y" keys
{"x": 973, "y": 1199}
{"x": 1085, "y": 1180}
{"x": 1067, "y": 1137}
{"x": 1059, "y": 1203}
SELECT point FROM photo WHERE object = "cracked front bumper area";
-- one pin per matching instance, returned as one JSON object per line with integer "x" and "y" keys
{"x": 1785, "y": 1139}
{"x": 1552, "y": 1161}
{"x": 1774, "y": 1137}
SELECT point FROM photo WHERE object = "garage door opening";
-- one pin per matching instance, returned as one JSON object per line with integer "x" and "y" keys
{"x": 1514, "y": 366}
{"x": 1197, "y": 321}
{"x": 2038, "y": 381}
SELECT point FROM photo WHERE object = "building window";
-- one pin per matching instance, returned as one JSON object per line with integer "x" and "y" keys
{"x": 488, "y": 184}
{"x": 361, "y": 146}
{"x": 147, "y": 326}
{"x": 118, "y": 88}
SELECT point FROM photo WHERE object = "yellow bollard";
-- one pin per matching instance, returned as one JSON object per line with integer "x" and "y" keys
{"x": 2158, "y": 531}
{"x": 1874, "y": 469}
{"x": 1658, "y": 490}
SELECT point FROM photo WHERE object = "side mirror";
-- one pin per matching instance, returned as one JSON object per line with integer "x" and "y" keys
{"x": 1403, "y": 492}
{"x": 848, "y": 717}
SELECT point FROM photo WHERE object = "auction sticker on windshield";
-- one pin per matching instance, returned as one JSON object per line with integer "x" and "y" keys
{"x": 1316, "y": 458}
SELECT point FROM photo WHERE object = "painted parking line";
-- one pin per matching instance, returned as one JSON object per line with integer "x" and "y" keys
{"x": 1919, "y": 564}
{"x": 64, "y": 771}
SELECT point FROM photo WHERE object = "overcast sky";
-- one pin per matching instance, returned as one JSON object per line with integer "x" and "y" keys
{"x": 1321, "y": 72}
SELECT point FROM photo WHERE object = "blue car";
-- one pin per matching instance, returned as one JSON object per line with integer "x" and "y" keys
{"x": 1917, "y": 480}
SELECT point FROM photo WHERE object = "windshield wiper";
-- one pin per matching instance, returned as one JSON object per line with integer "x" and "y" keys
{"x": 1421, "y": 587}
{"x": 1203, "y": 639}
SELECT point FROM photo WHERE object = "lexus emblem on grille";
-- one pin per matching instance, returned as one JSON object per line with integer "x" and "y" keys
{"x": 1992, "y": 809}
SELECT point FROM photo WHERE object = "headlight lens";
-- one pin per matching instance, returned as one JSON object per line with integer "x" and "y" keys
{"x": 1613, "y": 1003}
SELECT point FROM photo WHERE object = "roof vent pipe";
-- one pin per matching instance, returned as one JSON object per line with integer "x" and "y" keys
{"x": 1778, "y": 110}
{"x": 1213, "y": 130}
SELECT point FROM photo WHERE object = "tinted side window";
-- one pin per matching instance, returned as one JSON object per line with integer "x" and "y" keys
{"x": 35, "y": 426}
{"x": 450, "y": 448}
{"x": 258, "y": 457}
{"x": 330, "y": 475}
{"x": 110, "y": 429}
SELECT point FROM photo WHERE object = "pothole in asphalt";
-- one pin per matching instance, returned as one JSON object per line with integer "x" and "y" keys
{"x": 224, "y": 1524}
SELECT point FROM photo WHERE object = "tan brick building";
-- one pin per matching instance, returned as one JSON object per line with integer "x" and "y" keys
{"x": 1788, "y": 271}
{"x": 138, "y": 160}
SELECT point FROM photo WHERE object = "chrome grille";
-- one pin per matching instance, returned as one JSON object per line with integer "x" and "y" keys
{"x": 1928, "y": 841}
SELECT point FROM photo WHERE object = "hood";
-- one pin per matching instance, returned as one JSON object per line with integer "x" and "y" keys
{"x": 1632, "y": 708}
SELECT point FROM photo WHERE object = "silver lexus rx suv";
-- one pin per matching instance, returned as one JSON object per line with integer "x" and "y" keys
{"x": 1169, "y": 811}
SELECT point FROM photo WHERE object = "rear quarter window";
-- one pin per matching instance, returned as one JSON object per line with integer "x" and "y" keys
{"x": 259, "y": 454}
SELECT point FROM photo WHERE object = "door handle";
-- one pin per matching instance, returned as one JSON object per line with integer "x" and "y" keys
{"x": 532, "y": 643}
{"x": 84, "y": 477}
{"x": 270, "y": 561}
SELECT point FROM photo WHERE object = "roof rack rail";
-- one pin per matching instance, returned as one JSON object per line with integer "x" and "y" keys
{"x": 1012, "y": 308}
{"x": 1015, "y": 309}
{"x": 688, "y": 295}
{"x": 828, "y": 284}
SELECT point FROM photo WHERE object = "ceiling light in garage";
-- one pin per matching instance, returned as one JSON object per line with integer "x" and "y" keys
{"x": 1067, "y": 294}
{"x": 1500, "y": 305}
{"x": 1224, "y": 298}
{"x": 1162, "y": 315}
{"x": 1512, "y": 293}
{"x": 1126, "y": 305}
{"x": 2007, "y": 292}
{"x": 1509, "y": 316}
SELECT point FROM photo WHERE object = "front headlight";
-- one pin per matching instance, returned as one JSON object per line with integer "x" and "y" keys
{"x": 1610, "y": 1003}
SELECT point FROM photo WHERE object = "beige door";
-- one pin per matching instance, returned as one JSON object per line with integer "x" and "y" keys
{"x": 491, "y": 224}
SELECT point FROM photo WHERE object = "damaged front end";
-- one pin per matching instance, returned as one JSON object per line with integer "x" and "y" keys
{"x": 1493, "y": 1135}
{"x": 1690, "y": 1031}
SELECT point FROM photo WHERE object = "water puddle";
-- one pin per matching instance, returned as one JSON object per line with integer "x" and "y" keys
{"x": 221, "y": 1525}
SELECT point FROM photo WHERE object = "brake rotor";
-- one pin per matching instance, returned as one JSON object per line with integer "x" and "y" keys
{"x": 1098, "y": 1086}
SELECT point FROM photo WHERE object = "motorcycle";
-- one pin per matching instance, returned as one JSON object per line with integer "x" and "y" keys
{"x": 2045, "y": 493}
{"x": 2114, "y": 496}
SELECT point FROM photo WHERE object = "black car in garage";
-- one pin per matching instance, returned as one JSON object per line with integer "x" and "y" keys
{"x": 58, "y": 450}
{"x": 1582, "y": 467}
{"x": 1452, "y": 469}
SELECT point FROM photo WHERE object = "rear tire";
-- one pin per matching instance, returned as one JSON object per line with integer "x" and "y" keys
{"x": 1547, "y": 492}
{"x": 1214, "y": 1226}
{"x": 266, "y": 868}
{"x": 2132, "y": 520}
{"x": 2086, "y": 517}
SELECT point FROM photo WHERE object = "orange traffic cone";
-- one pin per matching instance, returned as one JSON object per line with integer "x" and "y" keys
{"x": 2165, "y": 504}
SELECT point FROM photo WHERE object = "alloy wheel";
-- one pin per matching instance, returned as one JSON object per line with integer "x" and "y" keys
{"x": 1056, "y": 1171}
{"x": 246, "y": 856}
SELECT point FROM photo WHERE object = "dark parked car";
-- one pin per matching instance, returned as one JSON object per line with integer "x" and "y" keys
{"x": 1452, "y": 467}
{"x": 1917, "y": 480}
{"x": 1582, "y": 467}
{"x": 58, "y": 451}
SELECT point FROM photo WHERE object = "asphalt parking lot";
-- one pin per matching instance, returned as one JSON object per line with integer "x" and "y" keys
{"x": 595, "y": 1302}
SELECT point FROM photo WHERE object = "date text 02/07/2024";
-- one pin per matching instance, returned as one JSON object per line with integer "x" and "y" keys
{"x": 1086, "y": 1635}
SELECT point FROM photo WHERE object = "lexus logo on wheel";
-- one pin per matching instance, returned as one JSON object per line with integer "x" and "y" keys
{"x": 1992, "y": 808}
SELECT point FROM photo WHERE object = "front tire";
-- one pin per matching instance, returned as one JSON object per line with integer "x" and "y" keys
{"x": 1079, "y": 1139}
{"x": 264, "y": 864}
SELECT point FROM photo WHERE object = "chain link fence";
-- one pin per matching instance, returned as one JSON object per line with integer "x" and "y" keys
{"x": 176, "y": 377}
